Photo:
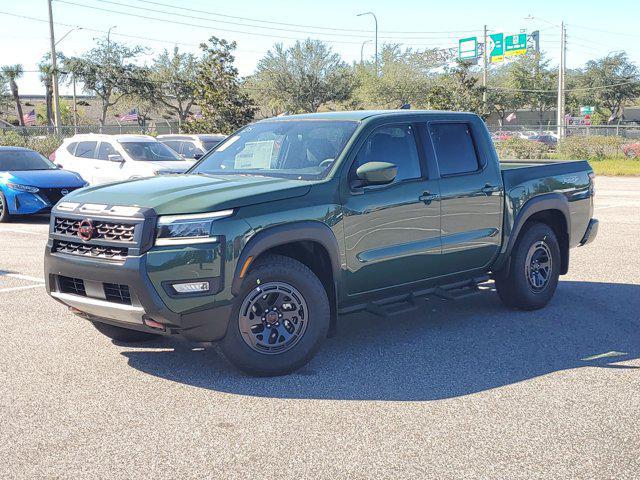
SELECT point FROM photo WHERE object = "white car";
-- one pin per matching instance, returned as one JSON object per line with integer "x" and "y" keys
{"x": 112, "y": 158}
{"x": 191, "y": 147}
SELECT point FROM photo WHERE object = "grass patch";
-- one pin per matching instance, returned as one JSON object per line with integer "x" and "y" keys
{"x": 616, "y": 167}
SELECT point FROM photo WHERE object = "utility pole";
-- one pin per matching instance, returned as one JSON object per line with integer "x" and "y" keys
{"x": 54, "y": 71}
{"x": 561, "y": 74}
{"x": 75, "y": 106}
{"x": 485, "y": 63}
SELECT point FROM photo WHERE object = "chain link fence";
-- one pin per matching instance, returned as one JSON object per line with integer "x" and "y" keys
{"x": 631, "y": 132}
{"x": 159, "y": 128}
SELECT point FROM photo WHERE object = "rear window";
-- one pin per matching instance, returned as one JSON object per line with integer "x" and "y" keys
{"x": 455, "y": 151}
{"x": 86, "y": 149}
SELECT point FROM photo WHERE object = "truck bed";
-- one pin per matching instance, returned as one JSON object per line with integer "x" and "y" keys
{"x": 519, "y": 172}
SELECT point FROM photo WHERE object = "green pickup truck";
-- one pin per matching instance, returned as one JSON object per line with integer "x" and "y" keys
{"x": 293, "y": 221}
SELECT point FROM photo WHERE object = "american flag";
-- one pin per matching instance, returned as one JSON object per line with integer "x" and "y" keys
{"x": 132, "y": 116}
{"x": 30, "y": 118}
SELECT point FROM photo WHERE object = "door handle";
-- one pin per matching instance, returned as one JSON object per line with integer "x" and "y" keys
{"x": 427, "y": 197}
{"x": 489, "y": 189}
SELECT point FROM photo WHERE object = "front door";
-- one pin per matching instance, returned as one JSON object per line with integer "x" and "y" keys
{"x": 391, "y": 232}
{"x": 107, "y": 170}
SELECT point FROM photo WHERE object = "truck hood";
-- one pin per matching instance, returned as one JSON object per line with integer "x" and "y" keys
{"x": 180, "y": 194}
{"x": 44, "y": 178}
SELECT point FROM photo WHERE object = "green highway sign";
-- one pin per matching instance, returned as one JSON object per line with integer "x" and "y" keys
{"x": 468, "y": 48}
{"x": 515, "y": 44}
{"x": 496, "y": 47}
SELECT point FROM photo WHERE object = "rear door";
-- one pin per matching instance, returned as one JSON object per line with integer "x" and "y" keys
{"x": 84, "y": 161}
{"x": 471, "y": 194}
{"x": 391, "y": 232}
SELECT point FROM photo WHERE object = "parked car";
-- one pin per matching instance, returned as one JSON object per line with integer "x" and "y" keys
{"x": 30, "y": 183}
{"x": 292, "y": 221}
{"x": 112, "y": 158}
{"x": 191, "y": 147}
{"x": 549, "y": 140}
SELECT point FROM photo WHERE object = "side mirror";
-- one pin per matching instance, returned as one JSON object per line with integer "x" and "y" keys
{"x": 197, "y": 156}
{"x": 376, "y": 173}
{"x": 116, "y": 158}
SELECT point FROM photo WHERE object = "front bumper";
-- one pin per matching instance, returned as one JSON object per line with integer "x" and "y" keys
{"x": 203, "y": 323}
{"x": 591, "y": 233}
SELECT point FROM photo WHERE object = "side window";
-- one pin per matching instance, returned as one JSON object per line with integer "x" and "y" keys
{"x": 86, "y": 149}
{"x": 71, "y": 148}
{"x": 173, "y": 145}
{"x": 393, "y": 144}
{"x": 105, "y": 150}
{"x": 455, "y": 151}
{"x": 189, "y": 149}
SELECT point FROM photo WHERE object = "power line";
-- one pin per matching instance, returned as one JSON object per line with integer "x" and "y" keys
{"x": 602, "y": 87}
{"x": 299, "y": 25}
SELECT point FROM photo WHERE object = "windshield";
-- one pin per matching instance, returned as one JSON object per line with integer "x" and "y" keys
{"x": 303, "y": 149}
{"x": 17, "y": 160}
{"x": 150, "y": 151}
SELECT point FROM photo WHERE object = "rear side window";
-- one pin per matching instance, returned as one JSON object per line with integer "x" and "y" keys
{"x": 454, "y": 148}
{"x": 86, "y": 149}
{"x": 105, "y": 150}
{"x": 71, "y": 148}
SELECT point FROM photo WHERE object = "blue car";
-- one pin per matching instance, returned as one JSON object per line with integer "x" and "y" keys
{"x": 30, "y": 183}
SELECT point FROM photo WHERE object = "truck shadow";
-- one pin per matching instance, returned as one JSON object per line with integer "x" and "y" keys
{"x": 447, "y": 349}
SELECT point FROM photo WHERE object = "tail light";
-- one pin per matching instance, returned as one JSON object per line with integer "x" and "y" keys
{"x": 592, "y": 183}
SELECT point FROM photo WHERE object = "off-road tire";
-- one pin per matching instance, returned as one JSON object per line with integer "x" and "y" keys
{"x": 282, "y": 271}
{"x": 523, "y": 286}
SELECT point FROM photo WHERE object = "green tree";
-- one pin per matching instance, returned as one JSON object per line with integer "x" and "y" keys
{"x": 12, "y": 73}
{"x": 225, "y": 106}
{"x": 458, "y": 89}
{"x": 534, "y": 83}
{"x": 174, "y": 79}
{"x": 502, "y": 98}
{"x": 301, "y": 78}
{"x": 404, "y": 78}
{"x": 612, "y": 81}
{"x": 108, "y": 71}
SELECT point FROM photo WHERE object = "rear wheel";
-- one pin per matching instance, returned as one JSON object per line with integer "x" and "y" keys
{"x": 4, "y": 209}
{"x": 123, "y": 335}
{"x": 534, "y": 269}
{"x": 279, "y": 318}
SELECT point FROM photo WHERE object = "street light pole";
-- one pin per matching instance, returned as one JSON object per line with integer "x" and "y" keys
{"x": 54, "y": 70}
{"x": 362, "y": 50}
{"x": 561, "y": 74}
{"x": 375, "y": 19}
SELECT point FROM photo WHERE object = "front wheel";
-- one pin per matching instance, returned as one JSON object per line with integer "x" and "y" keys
{"x": 534, "y": 269}
{"x": 278, "y": 320}
{"x": 4, "y": 209}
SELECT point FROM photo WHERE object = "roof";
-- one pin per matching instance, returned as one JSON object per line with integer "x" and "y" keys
{"x": 118, "y": 137}
{"x": 13, "y": 149}
{"x": 358, "y": 115}
{"x": 200, "y": 136}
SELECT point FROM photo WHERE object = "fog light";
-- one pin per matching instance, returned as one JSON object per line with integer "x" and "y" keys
{"x": 191, "y": 287}
{"x": 150, "y": 322}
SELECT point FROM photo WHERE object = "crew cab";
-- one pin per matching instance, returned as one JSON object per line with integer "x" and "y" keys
{"x": 112, "y": 158}
{"x": 293, "y": 221}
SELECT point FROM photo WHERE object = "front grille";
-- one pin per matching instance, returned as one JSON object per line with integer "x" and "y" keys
{"x": 94, "y": 251}
{"x": 117, "y": 293}
{"x": 112, "y": 231}
{"x": 53, "y": 195}
{"x": 71, "y": 285}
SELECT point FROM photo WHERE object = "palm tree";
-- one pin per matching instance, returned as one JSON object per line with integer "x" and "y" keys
{"x": 12, "y": 73}
{"x": 46, "y": 72}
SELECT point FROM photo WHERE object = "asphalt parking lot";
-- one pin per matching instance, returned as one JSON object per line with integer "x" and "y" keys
{"x": 462, "y": 389}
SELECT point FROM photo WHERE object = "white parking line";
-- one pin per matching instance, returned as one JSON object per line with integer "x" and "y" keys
{"x": 19, "y": 276}
{"x": 28, "y": 232}
{"x": 15, "y": 289}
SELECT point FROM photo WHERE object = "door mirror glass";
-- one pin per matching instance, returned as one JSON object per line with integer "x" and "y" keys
{"x": 376, "y": 173}
{"x": 197, "y": 156}
{"x": 115, "y": 158}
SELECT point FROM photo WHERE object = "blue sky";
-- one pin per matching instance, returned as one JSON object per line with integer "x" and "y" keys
{"x": 594, "y": 28}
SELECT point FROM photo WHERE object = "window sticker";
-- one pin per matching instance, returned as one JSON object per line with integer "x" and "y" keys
{"x": 255, "y": 155}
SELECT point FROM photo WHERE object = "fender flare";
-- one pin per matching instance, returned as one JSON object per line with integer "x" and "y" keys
{"x": 287, "y": 233}
{"x": 540, "y": 203}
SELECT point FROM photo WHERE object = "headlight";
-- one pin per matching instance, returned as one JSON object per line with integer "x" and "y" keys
{"x": 188, "y": 229}
{"x": 22, "y": 188}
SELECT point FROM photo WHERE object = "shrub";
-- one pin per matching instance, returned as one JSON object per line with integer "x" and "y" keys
{"x": 46, "y": 145}
{"x": 13, "y": 139}
{"x": 521, "y": 148}
{"x": 632, "y": 150}
{"x": 593, "y": 147}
